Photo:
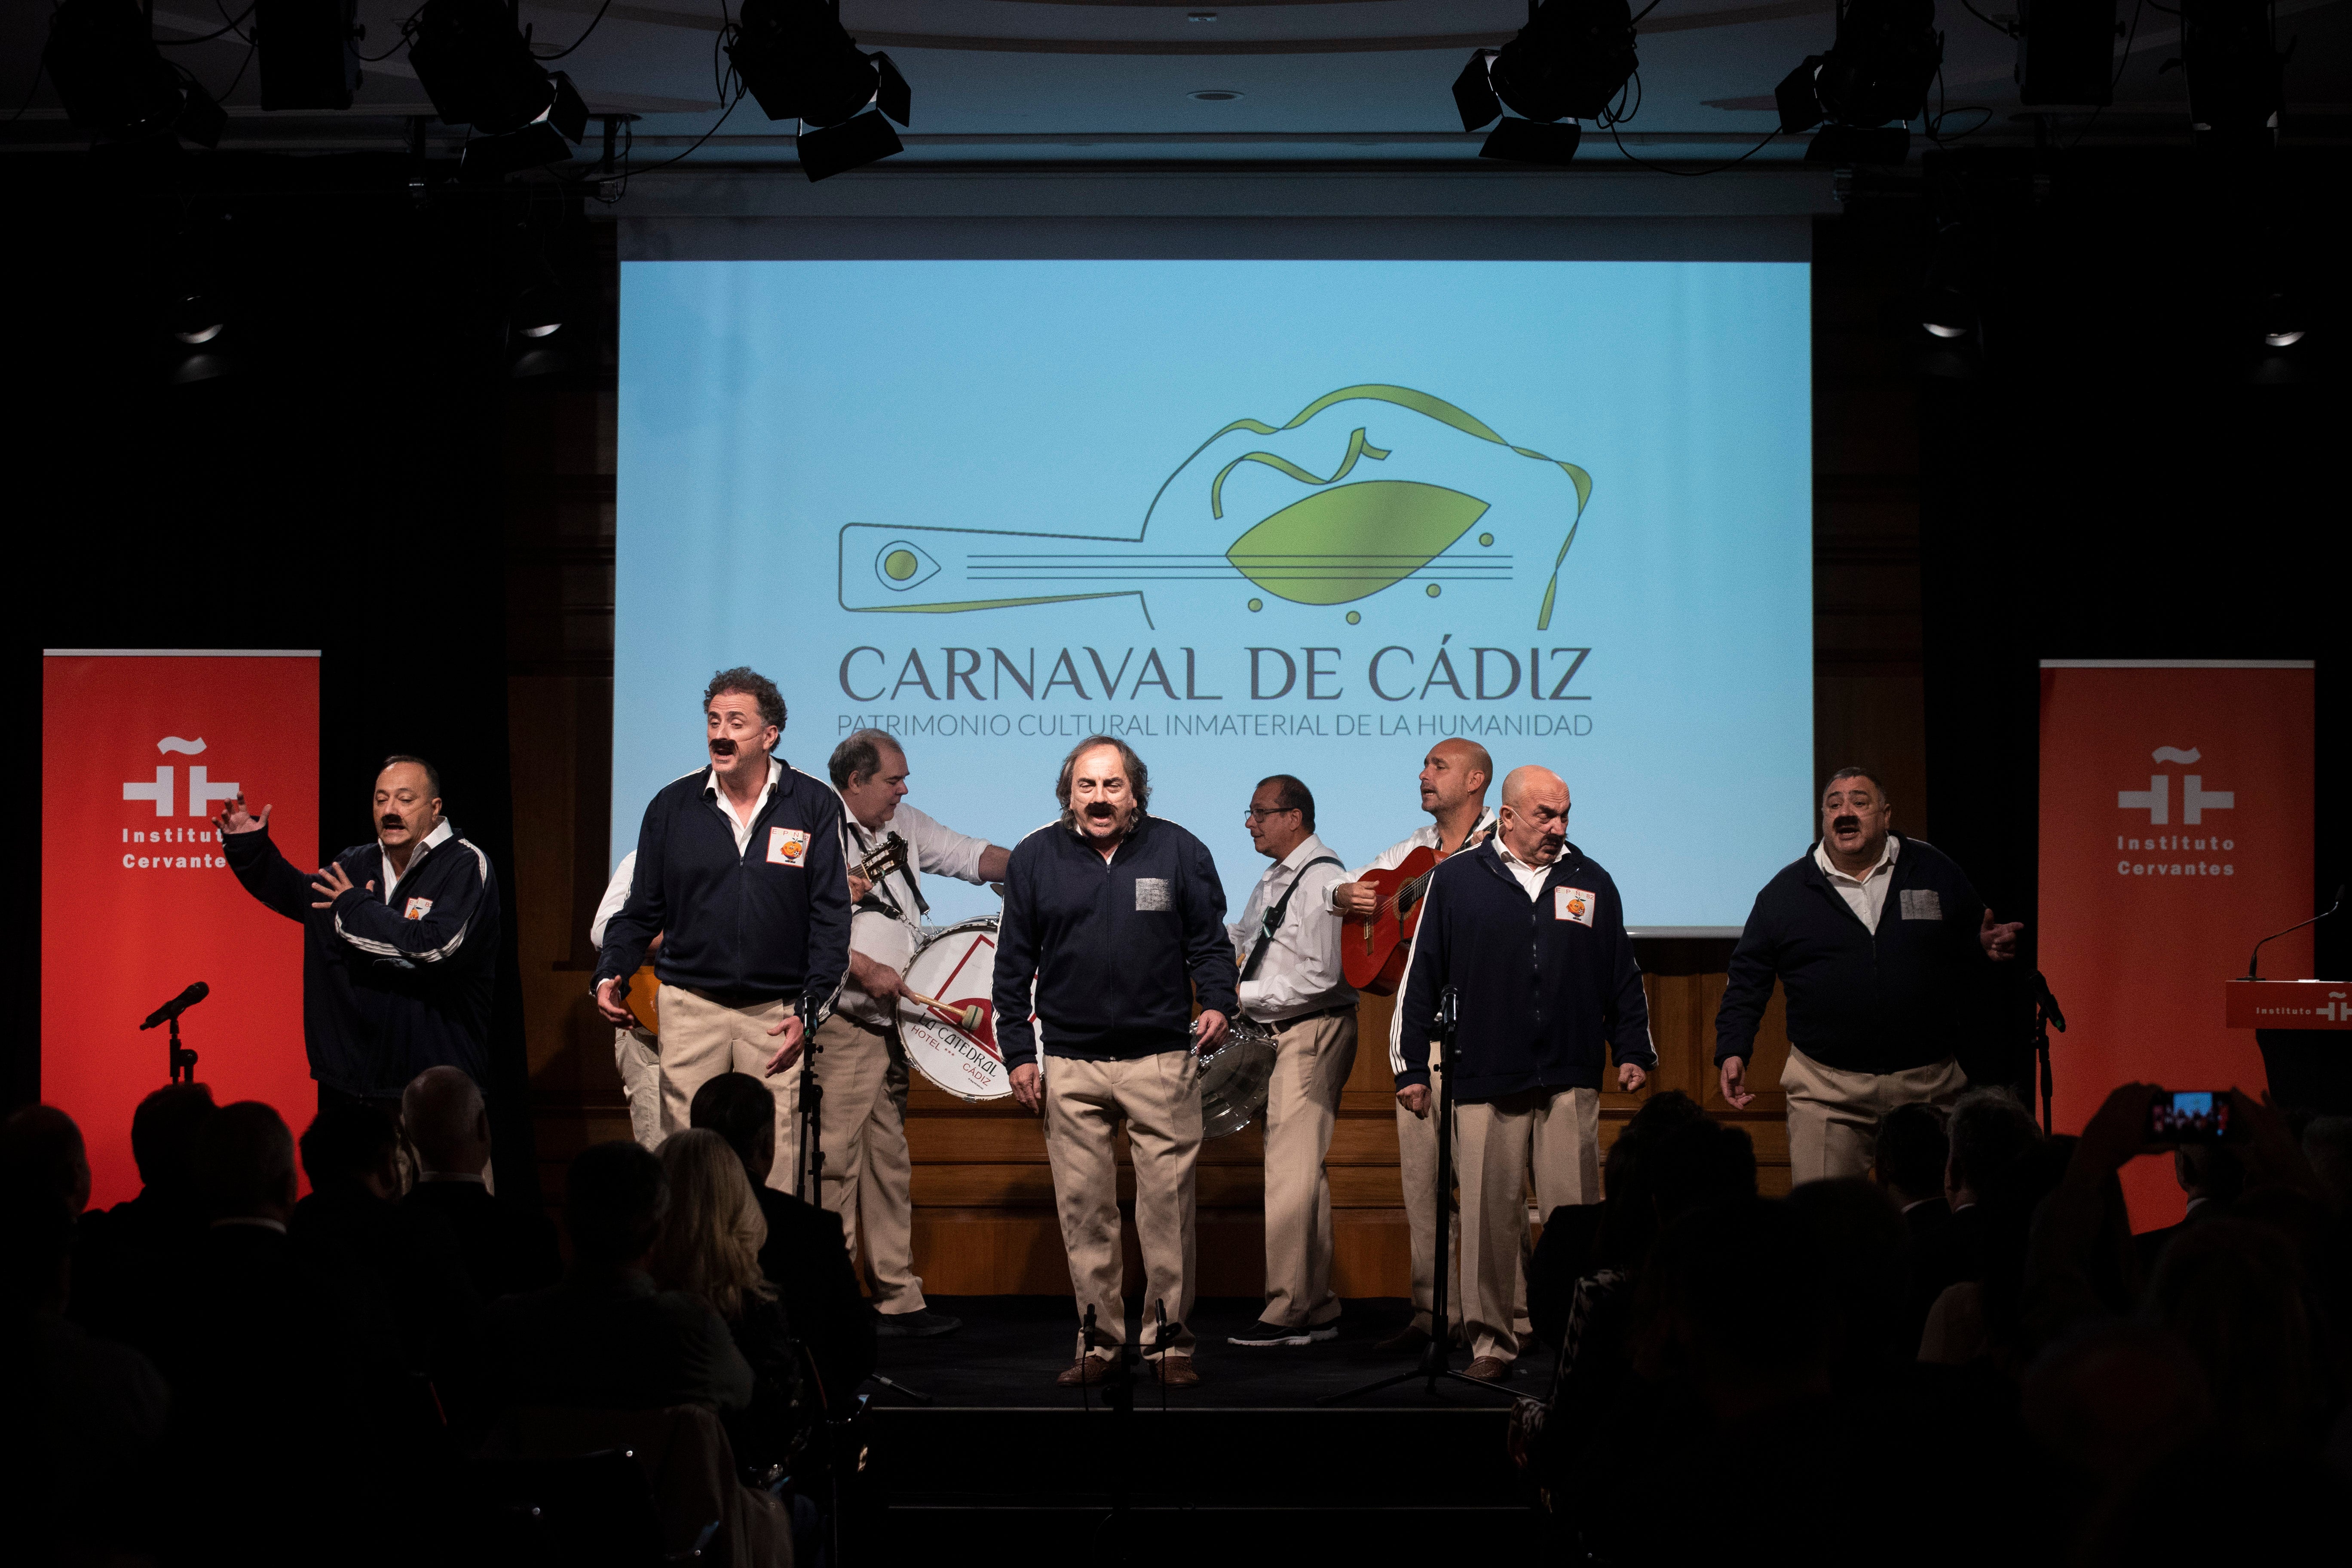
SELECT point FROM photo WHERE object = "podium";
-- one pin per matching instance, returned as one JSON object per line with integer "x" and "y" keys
{"x": 2291, "y": 1020}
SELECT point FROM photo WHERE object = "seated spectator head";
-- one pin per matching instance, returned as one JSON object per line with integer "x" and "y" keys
{"x": 245, "y": 1163}
{"x": 41, "y": 1151}
{"x": 448, "y": 1121}
{"x": 1865, "y": 1248}
{"x": 2232, "y": 1292}
{"x": 615, "y": 1199}
{"x": 2327, "y": 1145}
{"x": 2208, "y": 1172}
{"x": 1991, "y": 1135}
{"x": 2113, "y": 1399}
{"x": 739, "y": 1108}
{"x": 352, "y": 1147}
{"x": 1630, "y": 1223}
{"x": 1912, "y": 1153}
{"x": 1735, "y": 1302}
{"x": 710, "y": 1241}
{"x": 163, "y": 1137}
{"x": 1695, "y": 1162}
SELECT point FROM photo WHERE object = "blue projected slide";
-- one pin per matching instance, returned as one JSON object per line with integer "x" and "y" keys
{"x": 1305, "y": 517}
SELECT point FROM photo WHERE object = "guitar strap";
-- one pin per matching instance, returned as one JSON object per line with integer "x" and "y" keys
{"x": 1273, "y": 921}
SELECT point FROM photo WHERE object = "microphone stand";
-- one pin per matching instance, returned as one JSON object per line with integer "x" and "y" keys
{"x": 809, "y": 1176}
{"x": 184, "y": 1061}
{"x": 1435, "y": 1361}
{"x": 2046, "y": 1016}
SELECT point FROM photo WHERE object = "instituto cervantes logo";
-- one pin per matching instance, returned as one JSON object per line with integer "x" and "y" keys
{"x": 146, "y": 847}
{"x": 2157, "y": 800}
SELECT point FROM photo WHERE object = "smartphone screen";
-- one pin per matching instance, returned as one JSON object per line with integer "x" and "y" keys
{"x": 2188, "y": 1115}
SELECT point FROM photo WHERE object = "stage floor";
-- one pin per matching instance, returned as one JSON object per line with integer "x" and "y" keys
{"x": 1011, "y": 1347}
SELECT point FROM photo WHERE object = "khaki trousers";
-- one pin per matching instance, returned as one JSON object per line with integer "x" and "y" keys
{"x": 850, "y": 1064}
{"x": 638, "y": 1058}
{"x": 1834, "y": 1114}
{"x": 1552, "y": 1135}
{"x": 1158, "y": 1097}
{"x": 1311, "y": 1063}
{"x": 884, "y": 1209}
{"x": 1417, "y": 1173}
{"x": 701, "y": 1038}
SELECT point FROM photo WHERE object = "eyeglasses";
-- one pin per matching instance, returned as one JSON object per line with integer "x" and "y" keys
{"x": 1260, "y": 813}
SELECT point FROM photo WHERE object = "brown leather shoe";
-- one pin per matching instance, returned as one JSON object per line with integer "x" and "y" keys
{"x": 1489, "y": 1369}
{"x": 1408, "y": 1340}
{"x": 1176, "y": 1371}
{"x": 1088, "y": 1369}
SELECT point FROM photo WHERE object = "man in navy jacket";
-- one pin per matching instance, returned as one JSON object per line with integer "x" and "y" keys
{"x": 1531, "y": 935}
{"x": 1877, "y": 939}
{"x": 739, "y": 872}
{"x": 400, "y": 939}
{"x": 1116, "y": 917}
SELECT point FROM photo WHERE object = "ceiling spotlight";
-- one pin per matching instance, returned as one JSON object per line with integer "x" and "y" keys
{"x": 1213, "y": 95}
{"x": 477, "y": 67}
{"x": 538, "y": 311}
{"x": 1884, "y": 56}
{"x": 309, "y": 52}
{"x": 1946, "y": 309}
{"x": 2282, "y": 320}
{"x": 197, "y": 317}
{"x": 1569, "y": 63}
{"x": 116, "y": 84}
{"x": 800, "y": 63}
{"x": 2237, "y": 77}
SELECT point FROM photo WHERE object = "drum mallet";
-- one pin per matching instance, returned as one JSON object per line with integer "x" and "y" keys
{"x": 967, "y": 1018}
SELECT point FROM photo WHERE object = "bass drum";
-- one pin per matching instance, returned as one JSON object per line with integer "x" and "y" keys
{"x": 1235, "y": 1078}
{"x": 957, "y": 967}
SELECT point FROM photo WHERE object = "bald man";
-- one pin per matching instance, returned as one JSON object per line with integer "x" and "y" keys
{"x": 1531, "y": 935}
{"x": 1453, "y": 780}
{"x": 505, "y": 1246}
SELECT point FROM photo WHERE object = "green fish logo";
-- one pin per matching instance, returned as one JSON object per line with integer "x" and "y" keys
{"x": 1349, "y": 540}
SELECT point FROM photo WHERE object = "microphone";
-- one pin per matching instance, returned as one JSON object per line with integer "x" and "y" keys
{"x": 2254, "y": 966}
{"x": 177, "y": 1005}
{"x": 2047, "y": 1003}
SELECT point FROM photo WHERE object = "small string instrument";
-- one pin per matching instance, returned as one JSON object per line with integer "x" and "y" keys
{"x": 1372, "y": 951}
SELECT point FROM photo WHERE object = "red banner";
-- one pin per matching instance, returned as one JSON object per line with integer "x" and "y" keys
{"x": 2177, "y": 831}
{"x": 138, "y": 749}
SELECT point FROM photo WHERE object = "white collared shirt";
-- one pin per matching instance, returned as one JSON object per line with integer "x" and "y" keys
{"x": 1301, "y": 972}
{"x": 741, "y": 826}
{"x": 439, "y": 835}
{"x": 891, "y": 940}
{"x": 1866, "y": 895}
{"x": 1527, "y": 873}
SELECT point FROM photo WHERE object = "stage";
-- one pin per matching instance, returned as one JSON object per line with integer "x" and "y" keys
{"x": 1248, "y": 1457}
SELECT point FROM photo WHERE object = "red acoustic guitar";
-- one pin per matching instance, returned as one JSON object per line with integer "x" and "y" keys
{"x": 1372, "y": 953}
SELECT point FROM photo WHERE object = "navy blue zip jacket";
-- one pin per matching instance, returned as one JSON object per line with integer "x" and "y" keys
{"x": 1116, "y": 950}
{"x": 1859, "y": 1001}
{"x": 745, "y": 926}
{"x": 1545, "y": 988}
{"x": 388, "y": 989}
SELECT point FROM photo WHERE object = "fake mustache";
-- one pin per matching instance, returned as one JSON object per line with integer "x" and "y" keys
{"x": 723, "y": 747}
{"x": 1846, "y": 823}
{"x": 393, "y": 822}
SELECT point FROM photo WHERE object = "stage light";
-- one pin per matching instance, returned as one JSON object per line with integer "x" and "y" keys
{"x": 2282, "y": 320}
{"x": 2237, "y": 78}
{"x": 1946, "y": 309}
{"x": 798, "y": 62}
{"x": 1879, "y": 66}
{"x": 197, "y": 317}
{"x": 2066, "y": 51}
{"x": 1570, "y": 62}
{"x": 538, "y": 311}
{"x": 477, "y": 68}
{"x": 116, "y": 84}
